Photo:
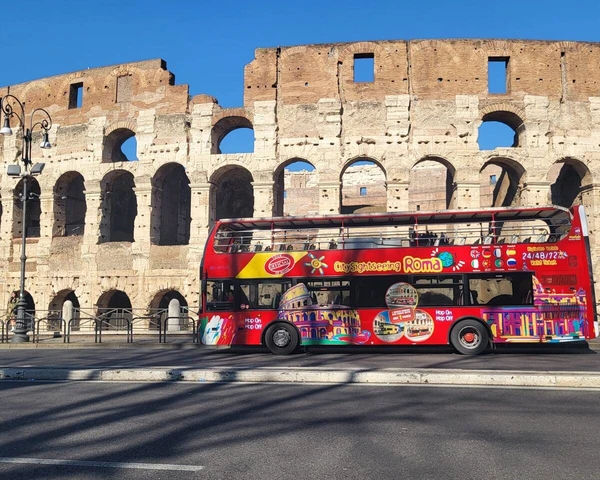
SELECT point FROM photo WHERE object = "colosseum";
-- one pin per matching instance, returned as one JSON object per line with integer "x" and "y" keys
{"x": 111, "y": 230}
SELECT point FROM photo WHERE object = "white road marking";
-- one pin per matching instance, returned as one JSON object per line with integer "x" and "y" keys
{"x": 84, "y": 463}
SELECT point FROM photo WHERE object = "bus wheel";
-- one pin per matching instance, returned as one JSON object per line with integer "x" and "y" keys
{"x": 469, "y": 337}
{"x": 281, "y": 338}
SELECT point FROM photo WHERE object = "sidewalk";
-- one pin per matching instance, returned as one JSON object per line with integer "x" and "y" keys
{"x": 180, "y": 360}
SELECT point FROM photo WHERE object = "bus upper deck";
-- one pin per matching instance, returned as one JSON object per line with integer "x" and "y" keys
{"x": 392, "y": 230}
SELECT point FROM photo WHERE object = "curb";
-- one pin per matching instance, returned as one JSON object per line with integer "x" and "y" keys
{"x": 304, "y": 375}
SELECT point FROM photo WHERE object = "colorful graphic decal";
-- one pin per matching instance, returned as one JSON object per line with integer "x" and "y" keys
{"x": 367, "y": 267}
{"x": 316, "y": 264}
{"x": 439, "y": 260}
{"x": 555, "y": 317}
{"x": 269, "y": 265}
{"x": 323, "y": 325}
{"x": 402, "y": 317}
{"x": 279, "y": 264}
{"x": 401, "y": 295}
{"x": 385, "y": 329}
{"x": 448, "y": 259}
{"x": 217, "y": 330}
{"x": 420, "y": 328}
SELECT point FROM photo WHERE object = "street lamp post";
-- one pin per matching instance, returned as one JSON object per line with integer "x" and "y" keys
{"x": 12, "y": 107}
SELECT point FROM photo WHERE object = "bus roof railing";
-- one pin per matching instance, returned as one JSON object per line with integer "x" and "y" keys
{"x": 489, "y": 226}
{"x": 399, "y": 218}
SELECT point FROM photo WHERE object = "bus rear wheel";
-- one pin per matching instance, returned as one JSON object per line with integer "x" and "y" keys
{"x": 469, "y": 337}
{"x": 281, "y": 338}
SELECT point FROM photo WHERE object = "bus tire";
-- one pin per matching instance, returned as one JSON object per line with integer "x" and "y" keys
{"x": 281, "y": 338}
{"x": 469, "y": 337}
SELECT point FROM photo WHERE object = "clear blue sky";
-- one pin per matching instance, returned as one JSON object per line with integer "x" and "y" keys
{"x": 207, "y": 43}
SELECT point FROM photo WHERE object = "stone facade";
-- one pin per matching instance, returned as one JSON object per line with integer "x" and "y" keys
{"x": 110, "y": 225}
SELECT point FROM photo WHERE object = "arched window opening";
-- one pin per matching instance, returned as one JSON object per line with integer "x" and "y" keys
{"x": 363, "y": 187}
{"x": 29, "y": 308}
{"x": 296, "y": 189}
{"x": 34, "y": 209}
{"x": 120, "y": 146}
{"x": 240, "y": 140}
{"x": 129, "y": 149}
{"x": 431, "y": 186}
{"x": 499, "y": 130}
{"x": 64, "y": 306}
{"x": 499, "y": 183}
{"x": 571, "y": 179}
{"x": 162, "y": 299}
{"x": 171, "y": 201}
{"x": 69, "y": 205}
{"x": 114, "y": 310}
{"x": 172, "y": 308}
{"x": 232, "y": 194}
{"x": 119, "y": 207}
{"x": 239, "y": 133}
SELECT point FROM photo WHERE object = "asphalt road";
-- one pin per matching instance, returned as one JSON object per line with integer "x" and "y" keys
{"x": 541, "y": 358}
{"x": 297, "y": 431}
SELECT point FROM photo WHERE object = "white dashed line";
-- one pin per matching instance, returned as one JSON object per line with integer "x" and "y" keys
{"x": 84, "y": 463}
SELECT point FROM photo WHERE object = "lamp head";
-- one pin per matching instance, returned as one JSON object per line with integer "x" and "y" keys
{"x": 13, "y": 170}
{"x": 45, "y": 141}
{"x": 37, "y": 168}
{"x": 6, "y": 130}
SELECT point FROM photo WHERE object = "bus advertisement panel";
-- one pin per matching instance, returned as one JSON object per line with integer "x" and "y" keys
{"x": 428, "y": 292}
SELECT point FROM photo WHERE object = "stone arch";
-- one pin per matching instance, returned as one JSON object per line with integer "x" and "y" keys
{"x": 500, "y": 182}
{"x": 174, "y": 320}
{"x": 56, "y": 310}
{"x": 298, "y": 177}
{"x": 118, "y": 206}
{"x": 224, "y": 127}
{"x": 363, "y": 186}
{"x": 506, "y": 115}
{"x": 431, "y": 184}
{"x": 114, "y": 138}
{"x": 29, "y": 301}
{"x": 114, "y": 309}
{"x": 231, "y": 193}
{"x": 171, "y": 206}
{"x": 162, "y": 298}
{"x": 29, "y": 306}
{"x": 571, "y": 183}
{"x": 37, "y": 93}
{"x": 69, "y": 205}
{"x": 34, "y": 209}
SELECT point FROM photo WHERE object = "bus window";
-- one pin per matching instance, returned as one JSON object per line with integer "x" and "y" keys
{"x": 369, "y": 292}
{"x": 501, "y": 289}
{"x": 437, "y": 296}
{"x": 439, "y": 291}
{"x": 329, "y": 292}
{"x": 263, "y": 295}
{"x": 220, "y": 295}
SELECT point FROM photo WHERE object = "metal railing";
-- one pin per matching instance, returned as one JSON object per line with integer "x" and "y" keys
{"x": 387, "y": 237}
{"x": 50, "y": 322}
{"x": 152, "y": 321}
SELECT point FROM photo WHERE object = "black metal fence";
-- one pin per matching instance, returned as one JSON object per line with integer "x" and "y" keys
{"x": 116, "y": 322}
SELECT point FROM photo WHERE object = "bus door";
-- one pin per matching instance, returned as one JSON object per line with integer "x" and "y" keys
{"x": 258, "y": 303}
{"x": 218, "y": 326}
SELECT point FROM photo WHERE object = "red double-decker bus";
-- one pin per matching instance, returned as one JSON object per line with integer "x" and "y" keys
{"x": 469, "y": 278}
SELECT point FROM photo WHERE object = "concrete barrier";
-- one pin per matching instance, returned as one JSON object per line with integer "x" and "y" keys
{"x": 310, "y": 375}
